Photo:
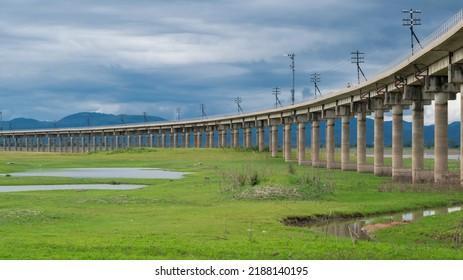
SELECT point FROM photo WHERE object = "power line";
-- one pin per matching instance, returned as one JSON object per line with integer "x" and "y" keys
{"x": 178, "y": 112}
{"x": 357, "y": 58}
{"x": 315, "y": 78}
{"x": 203, "y": 112}
{"x": 276, "y": 91}
{"x": 412, "y": 22}
{"x": 145, "y": 117}
{"x": 239, "y": 100}
{"x": 293, "y": 69}
{"x": 122, "y": 120}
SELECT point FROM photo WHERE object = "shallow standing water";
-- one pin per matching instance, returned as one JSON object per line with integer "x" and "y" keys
{"x": 69, "y": 187}
{"x": 93, "y": 173}
{"x": 104, "y": 173}
{"x": 354, "y": 227}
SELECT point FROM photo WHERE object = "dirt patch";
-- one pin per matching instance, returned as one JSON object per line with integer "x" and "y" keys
{"x": 374, "y": 227}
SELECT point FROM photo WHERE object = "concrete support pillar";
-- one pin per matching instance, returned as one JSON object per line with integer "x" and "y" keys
{"x": 223, "y": 138}
{"x": 70, "y": 149}
{"x": 174, "y": 138}
{"x": 417, "y": 140}
{"x": 198, "y": 139}
{"x": 248, "y": 137}
{"x": 397, "y": 140}
{"x": 163, "y": 140}
{"x": 301, "y": 142}
{"x": 48, "y": 144}
{"x": 94, "y": 144}
{"x": 83, "y": 143}
{"x": 261, "y": 138}
{"x": 330, "y": 143}
{"x": 150, "y": 139}
{"x": 315, "y": 156}
{"x": 211, "y": 139}
{"x": 274, "y": 131}
{"x": 379, "y": 143}
{"x": 441, "y": 137}
{"x": 345, "y": 142}
{"x": 236, "y": 134}
{"x": 77, "y": 139}
{"x": 208, "y": 142}
{"x": 159, "y": 140}
{"x": 15, "y": 146}
{"x": 116, "y": 142}
{"x": 186, "y": 139}
{"x": 287, "y": 142}
{"x": 361, "y": 142}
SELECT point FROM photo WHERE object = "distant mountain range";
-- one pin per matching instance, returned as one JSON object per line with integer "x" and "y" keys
{"x": 85, "y": 119}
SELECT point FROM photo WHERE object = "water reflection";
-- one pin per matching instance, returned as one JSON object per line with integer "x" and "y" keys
{"x": 68, "y": 187}
{"x": 99, "y": 173}
{"x": 355, "y": 228}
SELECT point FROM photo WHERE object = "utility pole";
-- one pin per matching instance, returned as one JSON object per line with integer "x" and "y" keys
{"x": 276, "y": 91}
{"x": 315, "y": 78}
{"x": 293, "y": 69}
{"x": 178, "y": 112}
{"x": 412, "y": 21}
{"x": 145, "y": 117}
{"x": 203, "y": 112}
{"x": 122, "y": 120}
{"x": 357, "y": 58}
{"x": 239, "y": 100}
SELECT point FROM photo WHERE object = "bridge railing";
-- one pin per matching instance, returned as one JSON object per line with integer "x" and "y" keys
{"x": 452, "y": 22}
{"x": 439, "y": 32}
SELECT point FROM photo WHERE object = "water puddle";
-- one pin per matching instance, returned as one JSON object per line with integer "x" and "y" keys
{"x": 69, "y": 187}
{"x": 104, "y": 173}
{"x": 358, "y": 228}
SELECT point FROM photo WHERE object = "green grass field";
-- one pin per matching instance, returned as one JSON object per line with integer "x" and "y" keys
{"x": 231, "y": 207}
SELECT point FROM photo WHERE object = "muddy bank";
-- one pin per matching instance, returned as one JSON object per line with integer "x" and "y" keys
{"x": 309, "y": 221}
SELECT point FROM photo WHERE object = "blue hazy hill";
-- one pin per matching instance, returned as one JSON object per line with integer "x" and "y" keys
{"x": 85, "y": 119}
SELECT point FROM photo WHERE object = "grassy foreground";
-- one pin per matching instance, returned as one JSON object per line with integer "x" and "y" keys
{"x": 230, "y": 207}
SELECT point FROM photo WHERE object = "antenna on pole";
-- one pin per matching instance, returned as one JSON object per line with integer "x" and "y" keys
{"x": 178, "y": 112}
{"x": 293, "y": 69}
{"x": 357, "y": 58}
{"x": 276, "y": 91}
{"x": 412, "y": 22}
{"x": 315, "y": 78}
{"x": 239, "y": 100}
{"x": 203, "y": 108}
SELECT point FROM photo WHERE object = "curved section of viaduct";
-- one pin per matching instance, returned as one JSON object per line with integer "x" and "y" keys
{"x": 434, "y": 73}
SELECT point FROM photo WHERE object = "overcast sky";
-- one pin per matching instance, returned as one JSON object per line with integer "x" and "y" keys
{"x": 60, "y": 57}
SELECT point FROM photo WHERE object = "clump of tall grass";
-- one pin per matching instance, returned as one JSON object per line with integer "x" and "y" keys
{"x": 251, "y": 183}
{"x": 236, "y": 179}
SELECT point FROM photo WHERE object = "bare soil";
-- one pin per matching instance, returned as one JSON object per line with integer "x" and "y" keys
{"x": 374, "y": 227}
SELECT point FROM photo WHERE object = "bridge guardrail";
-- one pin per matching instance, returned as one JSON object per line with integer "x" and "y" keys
{"x": 439, "y": 32}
